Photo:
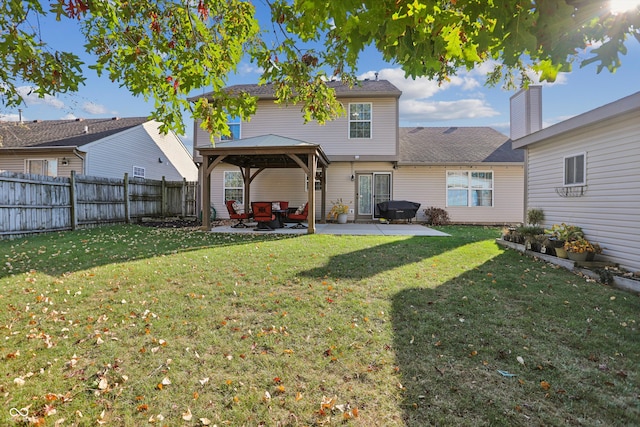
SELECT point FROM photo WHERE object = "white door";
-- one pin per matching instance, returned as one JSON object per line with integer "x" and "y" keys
{"x": 373, "y": 188}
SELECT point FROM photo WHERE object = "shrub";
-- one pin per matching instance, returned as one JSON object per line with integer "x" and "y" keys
{"x": 436, "y": 216}
{"x": 535, "y": 216}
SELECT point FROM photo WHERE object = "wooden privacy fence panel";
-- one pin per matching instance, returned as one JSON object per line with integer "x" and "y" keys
{"x": 36, "y": 203}
{"x": 99, "y": 200}
{"x": 145, "y": 198}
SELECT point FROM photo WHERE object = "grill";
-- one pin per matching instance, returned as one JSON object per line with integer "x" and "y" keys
{"x": 398, "y": 209}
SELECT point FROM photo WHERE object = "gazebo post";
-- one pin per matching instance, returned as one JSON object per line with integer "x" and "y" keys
{"x": 311, "y": 192}
{"x": 206, "y": 193}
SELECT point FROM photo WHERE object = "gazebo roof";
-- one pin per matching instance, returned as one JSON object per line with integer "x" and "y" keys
{"x": 265, "y": 151}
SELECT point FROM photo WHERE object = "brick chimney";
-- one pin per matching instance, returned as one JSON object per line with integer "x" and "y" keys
{"x": 526, "y": 112}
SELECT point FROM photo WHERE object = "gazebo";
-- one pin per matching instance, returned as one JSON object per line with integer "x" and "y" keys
{"x": 253, "y": 155}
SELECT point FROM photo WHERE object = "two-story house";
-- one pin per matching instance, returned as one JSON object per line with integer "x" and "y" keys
{"x": 106, "y": 147}
{"x": 364, "y": 158}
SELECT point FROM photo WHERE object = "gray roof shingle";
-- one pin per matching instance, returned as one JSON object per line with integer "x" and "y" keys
{"x": 364, "y": 88}
{"x": 63, "y": 133}
{"x": 456, "y": 145}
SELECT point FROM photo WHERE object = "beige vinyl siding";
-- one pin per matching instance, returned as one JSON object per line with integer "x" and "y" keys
{"x": 427, "y": 185}
{"x": 15, "y": 162}
{"x": 423, "y": 184}
{"x": 12, "y": 163}
{"x": 333, "y": 136}
{"x": 269, "y": 185}
{"x": 609, "y": 211}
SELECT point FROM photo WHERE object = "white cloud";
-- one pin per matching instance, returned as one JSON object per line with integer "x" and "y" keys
{"x": 10, "y": 117}
{"x": 246, "y": 68}
{"x": 93, "y": 108}
{"x": 30, "y": 97}
{"x": 415, "y": 106}
{"x": 561, "y": 79}
{"x": 68, "y": 116}
{"x": 430, "y": 111}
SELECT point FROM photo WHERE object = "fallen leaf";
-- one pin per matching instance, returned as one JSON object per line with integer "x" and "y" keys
{"x": 520, "y": 360}
{"x": 545, "y": 385}
{"x": 166, "y": 381}
{"x": 205, "y": 421}
{"x": 103, "y": 384}
{"x": 187, "y": 415}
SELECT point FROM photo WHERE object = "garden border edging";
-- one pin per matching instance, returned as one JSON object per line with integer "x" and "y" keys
{"x": 622, "y": 283}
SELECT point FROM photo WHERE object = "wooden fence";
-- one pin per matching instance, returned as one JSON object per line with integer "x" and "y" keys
{"x": 35, "y": 203}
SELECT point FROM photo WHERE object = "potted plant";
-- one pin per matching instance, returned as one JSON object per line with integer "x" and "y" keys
{"x": 339, "y": 211}
{"x": 579, "y": 249}
{"x": 559, "y": 234}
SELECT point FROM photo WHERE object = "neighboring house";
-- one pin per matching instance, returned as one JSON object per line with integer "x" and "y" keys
{"x": 584, "y": 171}
{"x": 471, "y": 172}
{"x": 108, "y": 147}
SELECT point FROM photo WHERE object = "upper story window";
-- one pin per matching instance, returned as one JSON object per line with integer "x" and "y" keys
{"x": 234, "y": 128}
{"x": 360, "y": 120}
{"x": 234, "y": 186}
{"x": 48, "y": 167}
{"x": 574, "y": 170}
{"x": 138, "y": 172}
{"x": 469, "y": 188}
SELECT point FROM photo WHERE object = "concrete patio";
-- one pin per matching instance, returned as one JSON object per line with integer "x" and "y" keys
{"x": 354, "y": 229}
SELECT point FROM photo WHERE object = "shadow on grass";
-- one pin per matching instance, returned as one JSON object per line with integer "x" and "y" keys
{"x": 70, "y": 251}
{"x": 376, "y": 259}
{"x": 452, "y": 340}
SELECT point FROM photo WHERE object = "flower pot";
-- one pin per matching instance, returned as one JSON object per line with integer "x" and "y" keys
{"x": 342, "y": 218}
{"x": 577, "y": 256}
{"x": 561, "y": 253}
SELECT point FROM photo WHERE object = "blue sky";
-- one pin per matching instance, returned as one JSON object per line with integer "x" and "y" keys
{"x": 464, "y": 101}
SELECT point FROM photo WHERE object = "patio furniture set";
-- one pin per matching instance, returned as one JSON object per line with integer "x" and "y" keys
{"x": 268, "y": 215}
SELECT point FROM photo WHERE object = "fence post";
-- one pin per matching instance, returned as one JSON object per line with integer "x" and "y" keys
{"x": 163, "y": 207}
{"x": 183, "y": 196}
{"x": 127, "y": 216}
{"x": 73, "y": 209}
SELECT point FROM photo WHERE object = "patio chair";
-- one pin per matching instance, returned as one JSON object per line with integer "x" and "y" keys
{"x": 298, "y": 216}
{"x": 236, "y": 214}
{"x": 263, "y": 215}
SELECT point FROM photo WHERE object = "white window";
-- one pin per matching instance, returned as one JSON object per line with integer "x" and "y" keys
{"x": 138, "y": 172}
{"x": 469, "y": 188}
{"x": 574, "y": 170}
{"x": 360, "y": 120}
{"x": 234, "y": 128}
{"x": 233, "y": 186}
{"x": 317, "y": 184}
{"x": 48, "y": 167}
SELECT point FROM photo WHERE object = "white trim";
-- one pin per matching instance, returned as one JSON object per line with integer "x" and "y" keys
{"x": 370, "y": 121}
{"x": 50, "y": 165}
{"x": 584, "y": 169}
{"x": 469, "y": 188}
{"x": 225, "y": 188}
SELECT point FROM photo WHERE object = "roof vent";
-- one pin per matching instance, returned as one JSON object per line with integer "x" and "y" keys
{"x": 78, "y": 119}
{"x": 86, "y": 129}
{"x": 115, "y": 118}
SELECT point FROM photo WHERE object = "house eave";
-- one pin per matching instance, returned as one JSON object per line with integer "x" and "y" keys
{"x": 464, "y": 164}
{"x": 609, "y": 111}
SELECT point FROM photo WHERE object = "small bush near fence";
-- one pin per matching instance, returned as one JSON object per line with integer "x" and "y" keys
{"x": 436, "y": 216}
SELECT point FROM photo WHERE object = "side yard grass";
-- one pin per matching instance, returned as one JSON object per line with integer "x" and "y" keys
{"x": 130, "y": 325}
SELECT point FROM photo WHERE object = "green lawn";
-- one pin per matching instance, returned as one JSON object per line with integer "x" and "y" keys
{"x": 129, "y": 326}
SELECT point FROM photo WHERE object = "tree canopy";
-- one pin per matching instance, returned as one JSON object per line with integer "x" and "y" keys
{"x": 164, "y": 50}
